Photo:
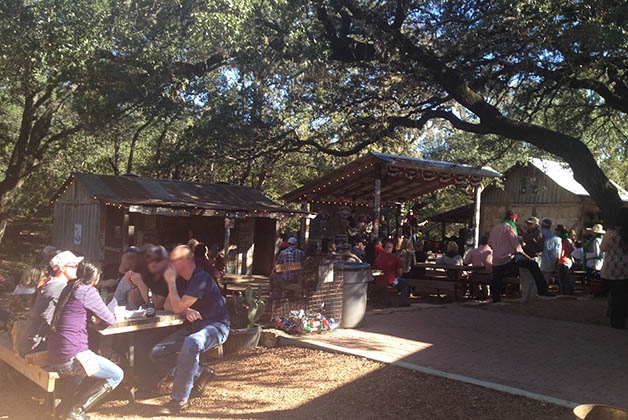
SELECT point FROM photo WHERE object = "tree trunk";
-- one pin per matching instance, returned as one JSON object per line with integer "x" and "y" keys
{"x": 129, "y": 164}
{"x": 160, "y": 141}
{"x": 453, "y": 82}
{"x": 493, "y": 121}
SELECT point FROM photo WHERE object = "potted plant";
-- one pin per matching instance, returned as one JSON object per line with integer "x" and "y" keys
{"x": 245, "y": 309}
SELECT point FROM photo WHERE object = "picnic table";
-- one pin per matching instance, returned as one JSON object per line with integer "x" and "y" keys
{"x": 444, "y": 277}
{"x": 239, "y": 282}
{"x": 460, "y": 268}
{"x": 160, "y": 320}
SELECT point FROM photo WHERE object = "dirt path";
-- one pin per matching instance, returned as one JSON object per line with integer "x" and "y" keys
{"x": 291, "y": 383}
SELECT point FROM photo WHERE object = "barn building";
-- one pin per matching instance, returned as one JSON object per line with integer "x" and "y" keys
{"x": 543, "y": 188}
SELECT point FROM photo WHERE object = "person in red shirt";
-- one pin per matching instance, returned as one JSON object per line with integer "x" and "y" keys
{"x": 565, "y": 262}
{"x": 392, "y": 266}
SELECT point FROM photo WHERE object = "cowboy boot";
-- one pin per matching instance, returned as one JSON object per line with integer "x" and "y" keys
{"x": 87, "y": 398}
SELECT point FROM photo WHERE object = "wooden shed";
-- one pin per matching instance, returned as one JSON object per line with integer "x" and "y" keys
{"x": 101, "y": 215}
{"x": 543, "y": 188}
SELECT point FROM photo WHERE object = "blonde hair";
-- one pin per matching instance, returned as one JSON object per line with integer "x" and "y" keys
{"x": 406, "y": 245}
{"x": 34, "y": 277}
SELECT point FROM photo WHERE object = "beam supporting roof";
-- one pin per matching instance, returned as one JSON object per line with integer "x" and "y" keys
{"x": 403, "y": 178}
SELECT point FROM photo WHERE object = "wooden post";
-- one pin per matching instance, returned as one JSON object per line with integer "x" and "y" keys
{"x": 398, "y": 220}
{"x": 305, "y": 224}
{"x": 476, "y": 216}
{"x": 125, "y": 230}
{"x": 227, "y": 242}
{"x": 377, "y": 201}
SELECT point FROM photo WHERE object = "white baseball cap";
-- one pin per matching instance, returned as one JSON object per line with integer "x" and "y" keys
{"x": 64, "y": 258}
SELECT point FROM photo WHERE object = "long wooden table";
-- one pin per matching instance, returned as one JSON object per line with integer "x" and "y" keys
{"x": 460, "y": 268}
{"x": 160, "y": 320}
{"x": 239, "y": 282}
{"x": 444, "y": 277}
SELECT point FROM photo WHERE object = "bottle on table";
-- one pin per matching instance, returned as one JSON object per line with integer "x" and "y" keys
{"x": 150, "y": 306}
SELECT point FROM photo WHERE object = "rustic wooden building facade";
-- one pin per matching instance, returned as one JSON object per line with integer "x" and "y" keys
{"x": 100, "y": 215}
{"x": 543, "y": 188}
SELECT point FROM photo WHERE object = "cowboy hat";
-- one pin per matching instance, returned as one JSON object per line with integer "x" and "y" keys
{"x": 597, "y": 228}
{"x": 532, "y": 220}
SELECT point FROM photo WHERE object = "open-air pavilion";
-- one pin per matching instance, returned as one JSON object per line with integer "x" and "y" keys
{"x": 375, "y": 181}
{"x": 460, "y": 215}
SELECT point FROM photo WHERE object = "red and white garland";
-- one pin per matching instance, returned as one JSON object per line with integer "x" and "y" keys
{"x": 429, "y": 175}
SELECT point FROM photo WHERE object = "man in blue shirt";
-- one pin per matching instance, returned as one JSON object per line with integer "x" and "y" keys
{"x": 193, "y": 292}
{"x": 359, "y": 249}
{"x": 552, "y": 246}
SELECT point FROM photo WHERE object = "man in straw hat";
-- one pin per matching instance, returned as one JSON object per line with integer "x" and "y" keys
{"x": 533, "y": 238}
{"x": 508, "y": 255}
{"x": 593, "y": 255}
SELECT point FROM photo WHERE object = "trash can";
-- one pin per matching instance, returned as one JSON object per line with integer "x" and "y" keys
{"x": 354, "y": 287}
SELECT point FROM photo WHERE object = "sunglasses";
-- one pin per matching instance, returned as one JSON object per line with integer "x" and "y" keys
{"x": 71, "y": 265}
{"x": 152, "y": 260}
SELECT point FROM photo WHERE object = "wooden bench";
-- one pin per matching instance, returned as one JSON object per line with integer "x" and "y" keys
{"x": 438, "y": 285}
{"x": 438, "y": 281}
{"x": 31, "y": 366}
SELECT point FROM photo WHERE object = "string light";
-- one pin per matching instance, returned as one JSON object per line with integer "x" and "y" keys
{"x": 339, "y": 179}
{"x": 345, "y": 203}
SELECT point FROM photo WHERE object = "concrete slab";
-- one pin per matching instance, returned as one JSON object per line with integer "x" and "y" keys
{"x": 567, "y": 362}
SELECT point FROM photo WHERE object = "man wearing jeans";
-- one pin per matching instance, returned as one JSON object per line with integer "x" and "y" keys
{"x": 193, "y": 292}
{"x": 508, "y": 255}
{"x": 392, "y": 266}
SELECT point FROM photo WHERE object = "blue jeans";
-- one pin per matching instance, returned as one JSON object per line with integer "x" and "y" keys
{"x": 106, "y": 370}
{"x": 189, "y": 344}
{"x": 147, "y": 373}
{"x": 565, "y": 282}
{"x": 404, "y": 293}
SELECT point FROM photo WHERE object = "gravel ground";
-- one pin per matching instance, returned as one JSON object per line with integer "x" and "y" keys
{"x": 292, "y": 383}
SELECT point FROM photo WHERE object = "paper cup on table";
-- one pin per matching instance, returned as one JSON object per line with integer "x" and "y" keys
{"x": 120, "y": 313}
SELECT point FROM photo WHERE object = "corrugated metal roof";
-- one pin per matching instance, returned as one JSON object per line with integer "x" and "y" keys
{"x": 562, "y": 174}
{"x": 355, "y": 178}
{"x": 130, "y": 190}
{"x": 455, "y": 168}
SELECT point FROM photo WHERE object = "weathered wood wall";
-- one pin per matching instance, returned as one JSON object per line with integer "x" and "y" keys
{"x": 529, "y": 192}
{"x": 263, "y": 252}
{"x": 77, "y": 207}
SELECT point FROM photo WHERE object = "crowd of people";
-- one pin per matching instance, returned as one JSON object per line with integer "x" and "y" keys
{"x": 68, "y": 307}
{"x": 545, "y": 253}
{"x": 542, "y": 251}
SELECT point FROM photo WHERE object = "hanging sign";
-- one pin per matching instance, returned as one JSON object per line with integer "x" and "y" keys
{"x": 78, "y": 233}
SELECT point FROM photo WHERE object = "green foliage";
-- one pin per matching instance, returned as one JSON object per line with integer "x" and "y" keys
{"x": 248, "y": 308}
{"x": 254, "y": 92}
